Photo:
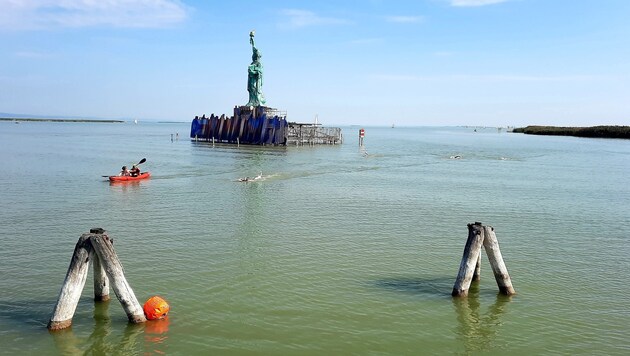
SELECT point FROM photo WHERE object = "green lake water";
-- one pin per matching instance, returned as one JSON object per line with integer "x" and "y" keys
{"x": 337, "y": 250}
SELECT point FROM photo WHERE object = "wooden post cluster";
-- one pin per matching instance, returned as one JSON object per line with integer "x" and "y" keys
{"x": 97, "y": 247}
{"x": 470, "y": 267}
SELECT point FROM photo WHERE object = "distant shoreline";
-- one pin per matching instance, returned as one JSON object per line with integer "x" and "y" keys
{"x": 592, "y": 132}
{"x": 60, "y": 120}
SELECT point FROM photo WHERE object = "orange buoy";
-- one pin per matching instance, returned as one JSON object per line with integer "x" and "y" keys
{"x": 156, "y": 308}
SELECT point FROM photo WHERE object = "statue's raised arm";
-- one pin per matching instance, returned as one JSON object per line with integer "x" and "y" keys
{"x": 251, "y": 38}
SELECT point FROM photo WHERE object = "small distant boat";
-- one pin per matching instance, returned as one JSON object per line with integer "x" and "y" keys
{"x": 392, "y": 126}
{"x": 143, "y": 175}
{"x": 135, "y": 121}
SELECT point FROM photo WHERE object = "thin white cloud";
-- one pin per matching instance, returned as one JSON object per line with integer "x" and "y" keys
{"x": 33, "y": 55}
{"x": 366, "y": 41}
{"x": 470, "y": 3}
{"x": 487, "y": 78}
{"x": 404, "y": 19}
{"x": 294, "y": 18}
{"x": 443, "y": 54}
{"x": 48, "y": 14}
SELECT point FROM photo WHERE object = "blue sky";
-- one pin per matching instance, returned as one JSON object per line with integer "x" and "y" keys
{"x": 367, "y": 62}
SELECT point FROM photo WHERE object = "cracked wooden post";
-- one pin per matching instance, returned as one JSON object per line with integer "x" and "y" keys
{"x": 477, "y": 274}
{"x": 491, "y": 245}
{"x": 470, "y": 258}
{"x": 101, "y": 282}
{"x": 72, "y": 285}
{"x": 113, "y": 268}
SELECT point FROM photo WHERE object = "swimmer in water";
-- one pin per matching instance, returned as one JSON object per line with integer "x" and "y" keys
{"x": 247, "y": 179}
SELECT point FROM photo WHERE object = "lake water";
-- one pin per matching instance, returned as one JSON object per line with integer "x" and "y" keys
{"x": 337, "y": 250}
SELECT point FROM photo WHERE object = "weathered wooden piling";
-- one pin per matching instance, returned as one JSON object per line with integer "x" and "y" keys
{"x": 470, "y": 258}
{"x": 470, "y": 266}
{"x": 113, "y": 268}
{"x": 72, "y": 285}
{"x": 491, "y": 245}
{"x": 95, "y": 246}
{"x": 477, "y": 274}
{"x": 101, "y": 282}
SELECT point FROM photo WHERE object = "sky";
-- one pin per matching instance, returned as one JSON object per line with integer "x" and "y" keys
{"x": 346, "y": 62}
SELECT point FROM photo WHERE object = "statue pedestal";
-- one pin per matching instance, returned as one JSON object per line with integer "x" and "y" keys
{"x": 258, "y": 111}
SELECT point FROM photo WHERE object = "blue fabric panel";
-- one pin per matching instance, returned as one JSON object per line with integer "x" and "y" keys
{"x": 195, "y": 128}
{"x": 257, "y": 130}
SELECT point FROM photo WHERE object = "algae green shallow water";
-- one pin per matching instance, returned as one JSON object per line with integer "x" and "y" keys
{"x": 334, "y": 251}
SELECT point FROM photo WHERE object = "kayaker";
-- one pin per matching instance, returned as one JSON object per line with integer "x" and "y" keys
{"x": 124, "y": 172}
{"x": 135, "y": 171}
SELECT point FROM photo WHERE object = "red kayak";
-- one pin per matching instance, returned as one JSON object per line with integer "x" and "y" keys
{"x": 143, "y": 175}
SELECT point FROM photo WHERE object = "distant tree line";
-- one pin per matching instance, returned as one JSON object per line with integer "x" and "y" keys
{"x": 595, "y": 131}
{"x": 17, "y": 119}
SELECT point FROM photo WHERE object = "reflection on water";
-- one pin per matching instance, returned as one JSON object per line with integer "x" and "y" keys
{"x": 155, "y": 336}
{"x": 478, "y": 330}
{"x": 125, "y": 186}
{"x": 427, "y": 287}
{"x": 102, "y": 329}
{"x": 109, "y": 338}
{"x": 66, "y": 342}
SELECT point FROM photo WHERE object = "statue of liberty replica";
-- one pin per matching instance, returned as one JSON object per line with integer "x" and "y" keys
{"x": 257, "y": 124}
{"x": 255, "y": 76}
